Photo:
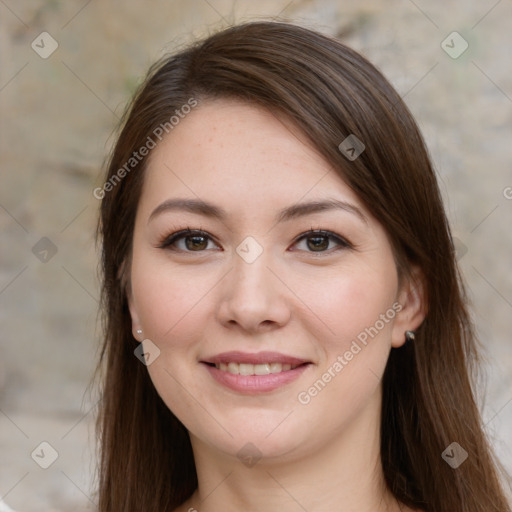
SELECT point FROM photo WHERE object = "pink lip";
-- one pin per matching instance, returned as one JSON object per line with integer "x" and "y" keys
{"x": 257, "y": 358}
{"x": 255, "y": 384}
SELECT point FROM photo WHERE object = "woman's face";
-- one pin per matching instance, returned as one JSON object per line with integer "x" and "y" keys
{"x": 275, "y": 314}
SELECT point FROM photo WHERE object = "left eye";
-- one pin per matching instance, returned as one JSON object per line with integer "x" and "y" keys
{"x": 321, "y": 241}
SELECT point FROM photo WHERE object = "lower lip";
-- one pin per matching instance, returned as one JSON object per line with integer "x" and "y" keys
{"x": 254, "y": 384}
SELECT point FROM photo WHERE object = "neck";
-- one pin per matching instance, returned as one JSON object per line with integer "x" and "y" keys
{"x": 344, "y": 475}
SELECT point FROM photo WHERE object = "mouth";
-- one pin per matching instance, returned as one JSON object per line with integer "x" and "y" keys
{"x": 255, "y": 369}
{"x": 254, "y": 373}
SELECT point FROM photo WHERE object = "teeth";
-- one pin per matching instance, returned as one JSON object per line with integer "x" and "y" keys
{"x": 245, "y": 369}
{"x": 262, "y": 369}
{"x": 233, "y": 368}
{"x": 255, "y": 369}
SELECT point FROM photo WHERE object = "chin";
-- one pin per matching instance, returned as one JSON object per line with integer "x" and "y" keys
{"x": 257, "y": 435}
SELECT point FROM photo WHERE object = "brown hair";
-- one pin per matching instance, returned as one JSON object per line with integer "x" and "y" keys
{"x": 330, "y": 92}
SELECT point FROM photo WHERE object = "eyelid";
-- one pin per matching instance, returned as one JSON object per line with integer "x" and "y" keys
{"x": 341, "y": 241}
{"x": 168, "y": 240}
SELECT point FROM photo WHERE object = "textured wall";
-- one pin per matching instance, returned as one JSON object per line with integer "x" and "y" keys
{"x": 57, "y": 116}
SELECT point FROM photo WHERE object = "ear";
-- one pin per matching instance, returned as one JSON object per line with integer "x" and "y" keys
{"x": 133, "y": 313}
{"x": 412, "y": 298}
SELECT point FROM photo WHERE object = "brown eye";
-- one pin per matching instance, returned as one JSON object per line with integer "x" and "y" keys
{"x": 318, "y": 243}
{"x": 196, "y": 242}
{"x": 321, "y": 241}
{"x": 188, "y": 240}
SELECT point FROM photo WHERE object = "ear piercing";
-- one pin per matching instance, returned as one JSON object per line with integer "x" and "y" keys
{"x": 139, "y": 332}
{"x": 410, "y": 336}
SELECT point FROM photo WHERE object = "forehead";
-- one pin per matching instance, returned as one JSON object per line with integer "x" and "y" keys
{"x": 237, "y": 152}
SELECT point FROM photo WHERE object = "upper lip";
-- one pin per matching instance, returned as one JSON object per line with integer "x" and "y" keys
{"x": 254, "y": 358}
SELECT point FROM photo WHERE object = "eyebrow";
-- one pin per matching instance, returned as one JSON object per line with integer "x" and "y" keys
{"x": 295, "y": 211}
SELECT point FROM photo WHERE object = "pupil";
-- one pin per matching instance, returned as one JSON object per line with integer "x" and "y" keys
{"x": 318, "y": 243}
{"x": 196, "y": 242}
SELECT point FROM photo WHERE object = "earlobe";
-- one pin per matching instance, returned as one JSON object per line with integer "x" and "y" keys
{"x": 136, "y": 327}
{"x": 413, "y": 299}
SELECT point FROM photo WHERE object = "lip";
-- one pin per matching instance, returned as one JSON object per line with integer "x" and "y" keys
{"x": 255, "y": 384}
{"x": 254, "y": 358}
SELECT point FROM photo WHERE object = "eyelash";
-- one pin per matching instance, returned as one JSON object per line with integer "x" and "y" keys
{"x": 169, "y": 240}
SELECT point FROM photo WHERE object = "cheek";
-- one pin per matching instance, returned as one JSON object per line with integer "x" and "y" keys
{"x": 356, "y": 313}
{"x": 169, "y": 301}
{"x": 351, "y": 305}
{"x": 172, "y": 307}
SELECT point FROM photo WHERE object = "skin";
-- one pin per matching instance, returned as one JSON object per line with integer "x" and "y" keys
{"x": 293, "y": 299}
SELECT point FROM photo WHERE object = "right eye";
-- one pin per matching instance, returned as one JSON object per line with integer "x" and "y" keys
{"x": 188, "y": 240}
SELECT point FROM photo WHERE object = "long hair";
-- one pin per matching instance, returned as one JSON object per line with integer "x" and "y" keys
{"x": 329, "y": 92}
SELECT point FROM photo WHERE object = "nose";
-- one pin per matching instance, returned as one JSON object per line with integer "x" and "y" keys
{"x": 253, "y": 298}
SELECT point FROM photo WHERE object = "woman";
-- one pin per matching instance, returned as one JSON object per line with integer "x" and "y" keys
{"x": 285, "y": 327}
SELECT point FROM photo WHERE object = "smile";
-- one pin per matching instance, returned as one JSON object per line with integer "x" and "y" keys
{"x": 251, "y": 374}
{"x": 255, "y": 369}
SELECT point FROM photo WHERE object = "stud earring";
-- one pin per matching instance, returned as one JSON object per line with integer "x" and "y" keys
{"x": 139, "y": 332}
{"x": 410, "y": 336}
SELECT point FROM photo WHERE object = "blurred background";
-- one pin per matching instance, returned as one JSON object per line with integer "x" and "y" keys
{"x": 67, "y": 70}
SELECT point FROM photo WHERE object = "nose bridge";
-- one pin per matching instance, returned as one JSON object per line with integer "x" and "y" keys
{"x": 252, "y": 296}
{"x": 251, "y": 274}
{"x": 250, "y": 261}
